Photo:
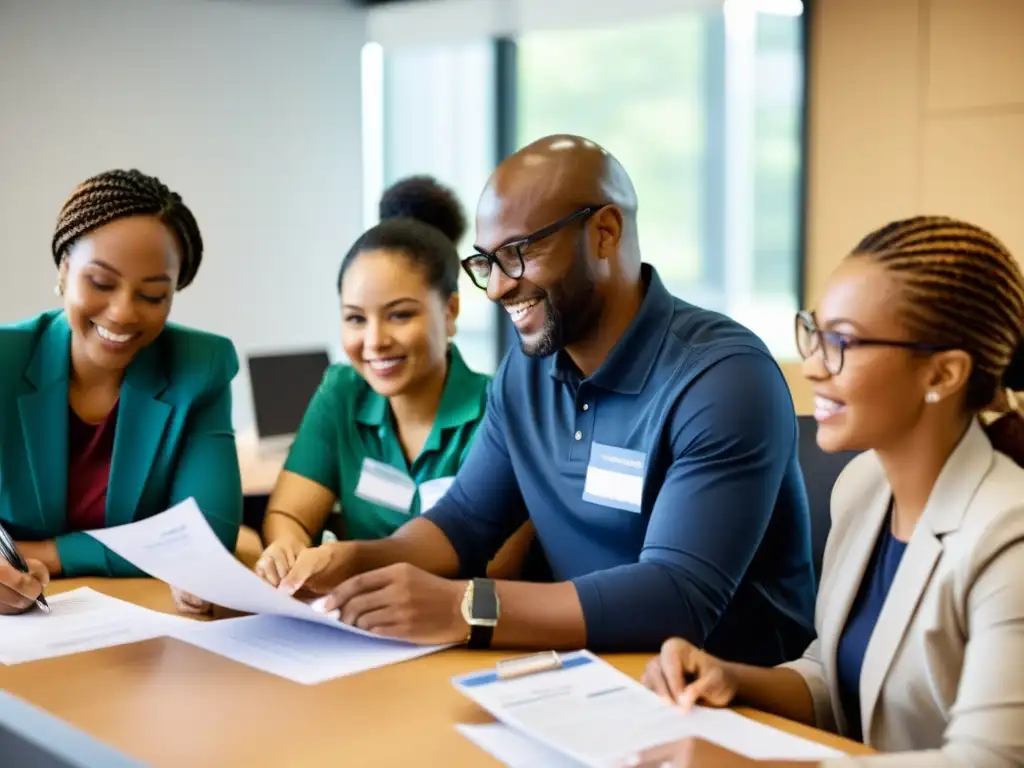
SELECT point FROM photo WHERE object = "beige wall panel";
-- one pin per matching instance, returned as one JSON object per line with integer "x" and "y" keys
{"x": 864, "y": 129}
{"x": 975, "y": 54}
{"x": 974, "y": 169}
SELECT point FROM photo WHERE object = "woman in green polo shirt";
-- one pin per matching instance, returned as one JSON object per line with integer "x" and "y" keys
{"x": 385, "y": 434}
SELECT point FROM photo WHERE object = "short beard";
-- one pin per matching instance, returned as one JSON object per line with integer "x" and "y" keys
{"x": 571, "y": 308}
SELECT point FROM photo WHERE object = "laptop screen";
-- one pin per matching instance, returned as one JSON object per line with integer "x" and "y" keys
{"x": 282, "y": 386}
{"x": 32, "y": 737}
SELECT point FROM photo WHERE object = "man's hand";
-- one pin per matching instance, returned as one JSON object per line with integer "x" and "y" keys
{"x": 403, "y": 602}
{"x": 18, "y": 590}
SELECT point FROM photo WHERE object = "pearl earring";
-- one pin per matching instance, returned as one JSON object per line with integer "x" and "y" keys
{"x": 932, "y": 397}
{"x": 58, "y": 290}
{"x": 1011, "y": 400}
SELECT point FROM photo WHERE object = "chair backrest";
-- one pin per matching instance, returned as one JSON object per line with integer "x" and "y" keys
{"x": 820, "y": 471}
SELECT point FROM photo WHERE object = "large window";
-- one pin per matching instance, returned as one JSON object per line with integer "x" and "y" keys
{"x": 431, "y": 110}
{"x": 703, "y": 109}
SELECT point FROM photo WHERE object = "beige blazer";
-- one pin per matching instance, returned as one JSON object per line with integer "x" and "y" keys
{"x": 943, "y": 676}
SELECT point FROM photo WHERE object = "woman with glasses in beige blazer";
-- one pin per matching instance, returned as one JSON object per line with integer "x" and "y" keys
{"x": 920, "y": 613}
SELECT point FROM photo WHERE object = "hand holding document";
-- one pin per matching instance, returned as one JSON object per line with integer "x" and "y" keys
{"x": 589, "y": 711}
{"x": 287, "y": 637}
{"x": 179, "y": 547}
{"x": 80, "y": 620}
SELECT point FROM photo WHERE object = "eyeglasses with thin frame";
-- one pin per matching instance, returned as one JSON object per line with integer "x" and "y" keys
{"x": 833, "y": 345}
{"x": 509, "y": 257}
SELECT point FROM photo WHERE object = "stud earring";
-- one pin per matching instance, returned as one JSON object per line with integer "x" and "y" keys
{"x": 1012, "y": 402}
{"x": 58, "y": 290}
{"x": 932, "y": 397}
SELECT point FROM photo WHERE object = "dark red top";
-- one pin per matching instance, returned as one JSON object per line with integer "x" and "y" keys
{"x": 90, "y": 449}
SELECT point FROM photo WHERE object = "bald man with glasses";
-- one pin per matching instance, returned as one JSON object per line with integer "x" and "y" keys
{"x": 652, "y": 444}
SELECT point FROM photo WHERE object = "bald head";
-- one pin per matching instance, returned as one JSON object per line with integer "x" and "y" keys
{"x": 549, "y": 179}
{"x": 556, "y": 225}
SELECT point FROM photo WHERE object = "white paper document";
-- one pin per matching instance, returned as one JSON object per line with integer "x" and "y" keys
{"x": 80, "y": 620}
{"x": 598, "y": 716}
{"x": 513, "y": 749}
{"x": 179, "y": 547}
{"x": 297, "y": 650}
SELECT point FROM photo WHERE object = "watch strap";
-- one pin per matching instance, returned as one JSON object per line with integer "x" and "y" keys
{"x": 480, "y": 637}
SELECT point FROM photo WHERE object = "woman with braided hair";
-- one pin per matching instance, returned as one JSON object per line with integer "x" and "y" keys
{"x": 108, "y": 413}
{"x": 920, "y": 614}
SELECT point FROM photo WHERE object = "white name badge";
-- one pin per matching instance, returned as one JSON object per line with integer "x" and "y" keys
{"x": 432, "y": 491}
{"x": 615, "y": 477}
{"x": 383, "y": 484}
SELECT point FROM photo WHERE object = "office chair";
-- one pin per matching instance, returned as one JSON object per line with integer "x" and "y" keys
{"x": 820, "y": 472}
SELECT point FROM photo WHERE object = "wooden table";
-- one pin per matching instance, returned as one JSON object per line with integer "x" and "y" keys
{"x": 169, "y": 704}
{"x": 259, "y": 470}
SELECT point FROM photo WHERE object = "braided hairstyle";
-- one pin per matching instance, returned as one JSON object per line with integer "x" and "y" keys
{"x": 963, "y": 290}
{"x": 119, "y": 194}
{"x": 423, "y": 220}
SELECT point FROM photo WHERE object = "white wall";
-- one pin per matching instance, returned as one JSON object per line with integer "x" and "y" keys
{"x": 916, "y": 106}
{"x": 442, "y": 21}
{"x": 249, "y": 110}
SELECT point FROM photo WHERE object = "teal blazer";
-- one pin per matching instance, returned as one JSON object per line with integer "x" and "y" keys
{"x": 173, "y": 439}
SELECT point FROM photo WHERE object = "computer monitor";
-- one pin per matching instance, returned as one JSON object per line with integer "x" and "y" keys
{"x": 29, "y": 736}
{"x": 282, "y": 385}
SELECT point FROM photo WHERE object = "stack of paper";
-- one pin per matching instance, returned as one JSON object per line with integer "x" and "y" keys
{"x": 80, "y": 620}
{"x": 299, "y": 650}
{"x": 590, "y": 712}
{"x": 286, "y": 637}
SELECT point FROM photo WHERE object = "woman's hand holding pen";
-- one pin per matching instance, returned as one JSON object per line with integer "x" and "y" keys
{"x": 45, "y": 552}
{"x": 18, "y": 591}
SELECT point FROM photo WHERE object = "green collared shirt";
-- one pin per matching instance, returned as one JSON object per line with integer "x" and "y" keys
{"x": 348, "y": 443}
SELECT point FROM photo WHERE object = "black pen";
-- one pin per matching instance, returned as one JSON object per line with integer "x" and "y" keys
{"x": 11, "y": 554}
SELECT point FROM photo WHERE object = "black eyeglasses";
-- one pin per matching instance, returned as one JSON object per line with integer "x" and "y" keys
{"x": 833, "y": 345}
{"x": 509, "y": 257}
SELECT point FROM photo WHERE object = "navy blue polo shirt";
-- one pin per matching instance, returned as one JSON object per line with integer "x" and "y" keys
{"x": 666, "y": 486}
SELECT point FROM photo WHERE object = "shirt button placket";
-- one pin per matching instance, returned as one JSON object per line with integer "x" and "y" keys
{"x": 578, "y": 450}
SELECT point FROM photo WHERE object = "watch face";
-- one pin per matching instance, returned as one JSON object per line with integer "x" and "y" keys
{"x": 484, "y": 613}
{"x": 485, "y": 603}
